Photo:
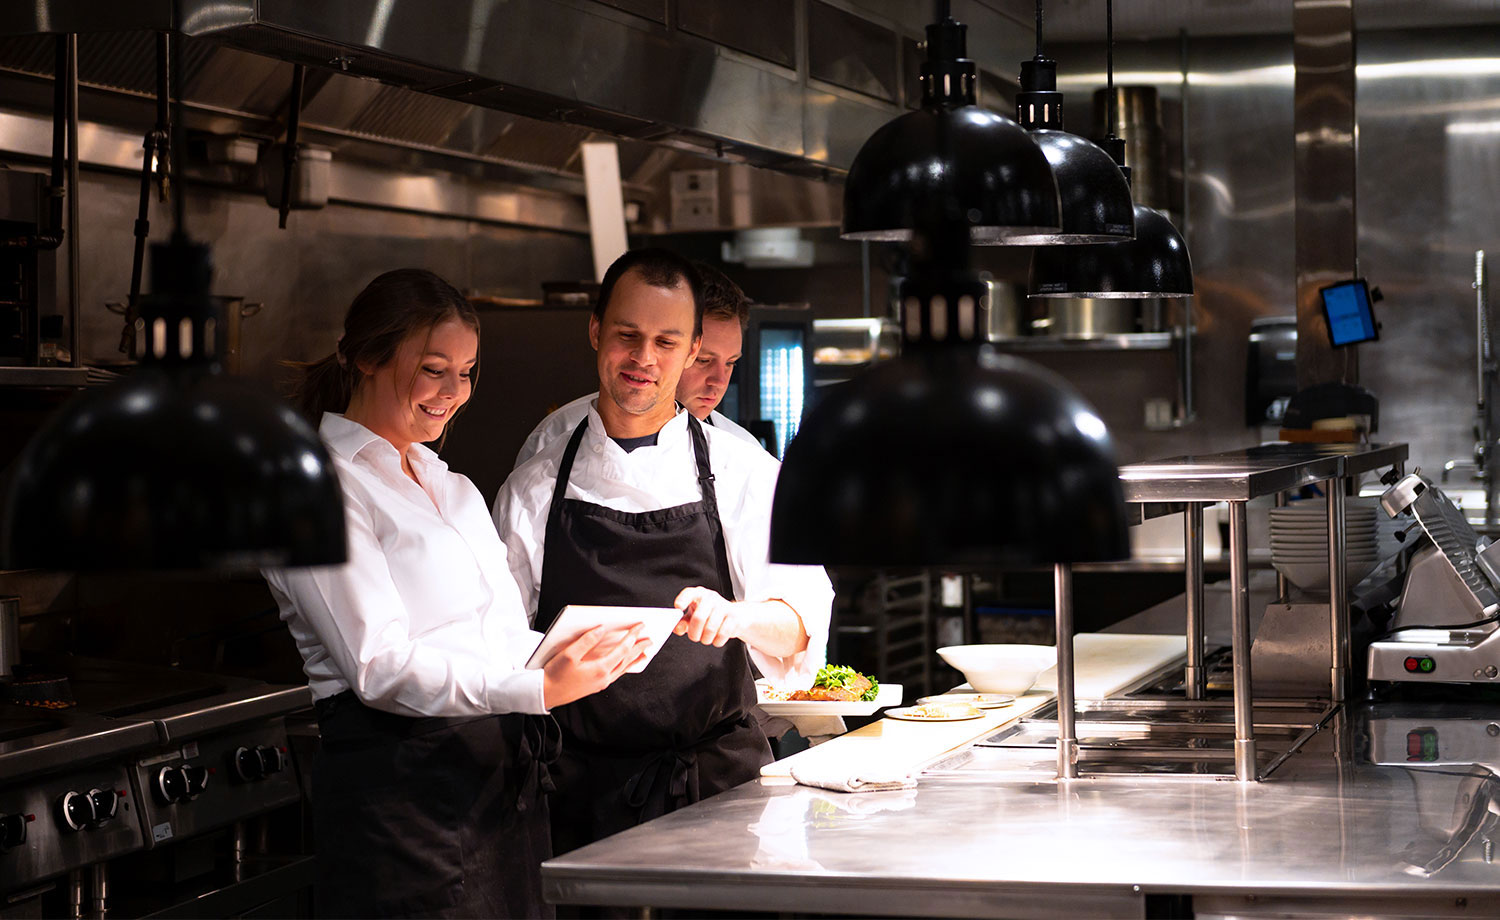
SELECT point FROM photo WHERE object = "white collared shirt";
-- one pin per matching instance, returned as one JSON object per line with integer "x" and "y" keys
{"x": 424, "y": 619}
{"x": 664, "y": 476}
{"x": 561, "y": 422}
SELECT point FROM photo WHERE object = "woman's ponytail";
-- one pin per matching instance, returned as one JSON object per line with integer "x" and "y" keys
{"x": 325, "y": 386}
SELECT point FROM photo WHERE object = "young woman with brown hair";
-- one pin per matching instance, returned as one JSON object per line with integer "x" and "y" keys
{"x": 428, "y": 793}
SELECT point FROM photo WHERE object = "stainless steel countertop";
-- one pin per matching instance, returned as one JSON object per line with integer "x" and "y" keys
{"x": 983, "y": 838}
{"x": 1240, "y": 475}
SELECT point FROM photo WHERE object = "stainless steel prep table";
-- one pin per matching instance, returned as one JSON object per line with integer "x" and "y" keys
{"x": 1236, "y": 477}
{"x": 980, "y": 840}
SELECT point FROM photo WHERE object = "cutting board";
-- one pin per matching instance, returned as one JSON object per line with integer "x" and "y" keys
{"x": 1103, "y": 664}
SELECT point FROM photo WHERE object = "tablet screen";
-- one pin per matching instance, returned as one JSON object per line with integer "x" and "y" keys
{"x": 1347, "y": 307}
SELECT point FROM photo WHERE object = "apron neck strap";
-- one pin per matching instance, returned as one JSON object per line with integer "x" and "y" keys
{"x": 565, "y": 467}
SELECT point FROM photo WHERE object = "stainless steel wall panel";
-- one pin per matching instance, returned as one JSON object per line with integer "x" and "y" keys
{"x": 1325, "y": 164}
{"x": 1429, "y": 174}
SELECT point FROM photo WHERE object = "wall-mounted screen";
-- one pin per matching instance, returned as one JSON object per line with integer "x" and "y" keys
{"x": 1346, "y": 306}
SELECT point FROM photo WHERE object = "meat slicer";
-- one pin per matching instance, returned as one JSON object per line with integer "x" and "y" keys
{"x": 1447, "y": 623}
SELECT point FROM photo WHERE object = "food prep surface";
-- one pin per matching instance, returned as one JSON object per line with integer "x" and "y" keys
{"x": 1350, "y": 824}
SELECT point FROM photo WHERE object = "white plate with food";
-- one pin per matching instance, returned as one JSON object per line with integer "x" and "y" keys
{"x": 977, "y": 700}
{"x": 836, "y": 691}
{"x": 936, "y": 712}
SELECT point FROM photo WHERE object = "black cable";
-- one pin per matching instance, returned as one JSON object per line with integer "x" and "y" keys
{"x": 1039, "y": 28}
{"x": 1109, "y": 61}
{"x": 943, "y": 11}
{"x": 179, "y": 141}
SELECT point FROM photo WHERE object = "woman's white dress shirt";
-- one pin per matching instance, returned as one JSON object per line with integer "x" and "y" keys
{"x": 425, "y": 618}
{"x": 663, "y": 476}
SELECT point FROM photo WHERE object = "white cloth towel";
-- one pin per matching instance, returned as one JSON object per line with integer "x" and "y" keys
{"x": 822, "y": 777}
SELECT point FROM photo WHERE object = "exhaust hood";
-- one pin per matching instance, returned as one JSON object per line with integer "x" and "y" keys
{"x": 792, "y": 85}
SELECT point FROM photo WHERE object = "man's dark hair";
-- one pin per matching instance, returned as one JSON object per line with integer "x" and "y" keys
{"x": 660, "y": 268}
{"x": 722, "y": 298}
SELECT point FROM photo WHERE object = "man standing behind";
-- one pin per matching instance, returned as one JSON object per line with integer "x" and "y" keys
{"x": 643, "y": 505}
{"x": 726, "y": 311}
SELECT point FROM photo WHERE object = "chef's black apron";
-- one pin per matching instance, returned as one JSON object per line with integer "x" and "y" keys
{"x": 430, "y": 817}
{"x": 681, "y": 730}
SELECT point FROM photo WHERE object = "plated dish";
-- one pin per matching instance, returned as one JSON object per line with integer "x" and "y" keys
{"x": 836, "y": 691}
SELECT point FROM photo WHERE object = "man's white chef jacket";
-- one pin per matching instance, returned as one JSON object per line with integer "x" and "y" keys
{"x": 663, "y": 476}
{"x": 561, "y": 422}
{"x": 424, "y": 619}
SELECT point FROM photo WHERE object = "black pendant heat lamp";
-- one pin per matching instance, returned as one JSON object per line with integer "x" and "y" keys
{"x": 952, "y": 454}
{"x": 179, "y": 466}
{"x": 987, "y": 161}
{"x": 1153, "y": 264}
{"x": 1095, "y": 196}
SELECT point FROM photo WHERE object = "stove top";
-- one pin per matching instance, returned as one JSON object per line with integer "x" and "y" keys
{"x": 123, "y": 707}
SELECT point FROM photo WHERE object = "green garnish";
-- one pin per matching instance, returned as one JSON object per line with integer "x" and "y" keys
{"x": 838, "y": 676}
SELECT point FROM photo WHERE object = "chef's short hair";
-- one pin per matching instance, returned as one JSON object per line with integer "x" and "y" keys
{"x": 660, "y": 268}
{"x": 722, "y": 298}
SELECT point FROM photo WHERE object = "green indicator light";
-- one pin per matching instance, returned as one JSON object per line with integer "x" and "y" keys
{"x": 1427, "y": 665}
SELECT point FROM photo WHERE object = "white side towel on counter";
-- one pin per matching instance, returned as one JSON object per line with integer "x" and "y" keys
{"x": 820, "y": 776}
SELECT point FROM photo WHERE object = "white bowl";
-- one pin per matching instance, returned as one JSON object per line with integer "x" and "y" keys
{"x": 1000, "y": 668}
{"x": 1313, "y": 576}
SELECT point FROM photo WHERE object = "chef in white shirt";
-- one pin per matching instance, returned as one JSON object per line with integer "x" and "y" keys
{"x": 726, "y": 311}
{"x": 642, "y": 504}
{"x": 429, "y": 786}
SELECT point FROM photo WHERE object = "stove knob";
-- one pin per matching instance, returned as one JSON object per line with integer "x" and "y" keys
{"x": 75, "y": 811}
{"x": 196, "y": 779}
{"x": 247, "y": 764}
{"x": 170, "y": 785}
{"x": 271, "y": 759}
{"x": 106, "y": 803}
{"x": 12, "y": 831}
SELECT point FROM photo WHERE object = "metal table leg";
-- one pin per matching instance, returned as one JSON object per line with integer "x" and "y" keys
{"x": 1244, "y": 706}
{"x": 1067, "y": 735}
{"x": 1338, "y": 594}
{"x": 1193, "y": 676}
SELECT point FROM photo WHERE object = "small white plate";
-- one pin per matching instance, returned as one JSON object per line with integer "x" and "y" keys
{"x": 912, "y": 714}
{"x": 977, "y": 700}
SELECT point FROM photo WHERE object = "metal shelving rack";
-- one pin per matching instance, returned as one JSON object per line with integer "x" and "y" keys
{"x": 898, "y": 621}
{"x": 1234, "y": 477}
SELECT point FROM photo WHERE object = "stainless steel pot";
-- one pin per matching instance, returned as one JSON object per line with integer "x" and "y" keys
{"x": 232, "y": 311}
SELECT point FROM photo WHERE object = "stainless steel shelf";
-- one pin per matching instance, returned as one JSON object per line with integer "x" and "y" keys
{"x": 1124, "y": 341}
{"x": 44, "y": 376}
{"x": 1241, "y": 475}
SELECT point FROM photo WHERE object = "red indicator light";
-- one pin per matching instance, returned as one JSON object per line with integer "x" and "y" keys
{"x": 282, "y": 750}
{"x": 30, "y": 818}
{"x": 122, "y": 793}
{"x": 1412, "y": 664}
{"x": 1413, "y": 745}
{"x": 212, "y": 770}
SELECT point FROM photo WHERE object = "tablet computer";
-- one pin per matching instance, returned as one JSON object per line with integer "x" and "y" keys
{"x": 577, "y": 619}
{"x": 1351, "y": 319}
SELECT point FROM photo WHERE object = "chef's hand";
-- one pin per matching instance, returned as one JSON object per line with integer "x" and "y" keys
{"x": 707, "y": 617}
{"x": 590, "y": 663}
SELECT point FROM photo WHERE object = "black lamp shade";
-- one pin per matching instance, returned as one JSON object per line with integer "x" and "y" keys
{"x": 998, "y": 180}
{"x": 954, "y": 456}
{"x": 1154, "y": 264}
{"x": 180, "y": 468}
{"x": 1095, "y": 197}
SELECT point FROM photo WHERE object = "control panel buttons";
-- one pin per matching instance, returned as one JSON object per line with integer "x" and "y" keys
{"x": 106, "y": 804}
{"x": 1419, "y": 665}
{"x": 13, "y": 830}
{"x": 195, "y": 779}
{"x": 75, "y": 811}
{"x": 251, "y": 764}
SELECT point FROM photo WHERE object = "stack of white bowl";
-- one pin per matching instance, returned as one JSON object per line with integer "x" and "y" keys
{"x": 1299, "y": 542}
